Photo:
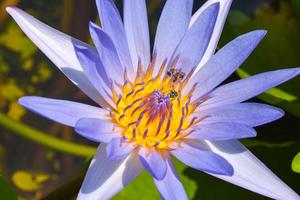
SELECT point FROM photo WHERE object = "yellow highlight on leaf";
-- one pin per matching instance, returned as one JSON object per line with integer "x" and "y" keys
{"x": 296, "y": 163}
{"x": 16, "y": 111}
{"x": 29, "y": 182}
{"x": 10, "y": 91}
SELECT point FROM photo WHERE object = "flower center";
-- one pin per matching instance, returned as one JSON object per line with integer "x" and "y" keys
{"x": 151, "y": 111}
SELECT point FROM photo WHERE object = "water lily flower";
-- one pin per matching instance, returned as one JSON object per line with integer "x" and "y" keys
{"x": 168, "y": 103}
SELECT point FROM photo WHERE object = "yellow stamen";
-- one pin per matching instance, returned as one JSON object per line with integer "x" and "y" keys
{"x": 151, "y": 111}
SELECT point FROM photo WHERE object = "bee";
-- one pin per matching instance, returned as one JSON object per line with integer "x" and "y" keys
{"x": 175, "y": 74}
{"x": 173, "y": 94}
{"x": 180, "y": 75}
{"x": 170, "y": 72}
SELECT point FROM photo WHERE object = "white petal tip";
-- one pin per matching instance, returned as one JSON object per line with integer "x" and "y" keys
{"x": 20, "y": 101}
{"x": 12, "y": 10}
{"x": 9, "y": 9}
{"x": 23, "y": 101}
{"x": 258, "y": 33}
{"x": 263, "y": 32}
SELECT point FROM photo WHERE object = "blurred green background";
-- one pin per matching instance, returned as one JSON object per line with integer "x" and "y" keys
{"x": 39, "y": 159}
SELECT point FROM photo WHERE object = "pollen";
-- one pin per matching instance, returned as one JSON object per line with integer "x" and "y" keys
{"x": 151, "y": 111}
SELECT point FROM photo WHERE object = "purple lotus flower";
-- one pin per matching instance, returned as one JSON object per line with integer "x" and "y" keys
{"x": 164, "y": 105}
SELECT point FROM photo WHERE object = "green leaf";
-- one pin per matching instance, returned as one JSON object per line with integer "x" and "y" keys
{"x": 141, "y": 188}
{"x": 296, "y": 7}
{"x": 5, "y": 191}
{"x": 237, "y": 18}
{"x": 296, "y": 163}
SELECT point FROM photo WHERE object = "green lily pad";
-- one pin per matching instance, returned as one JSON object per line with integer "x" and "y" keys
{"x": 296, "y": 7}
{"x": 5, "y": 191}
{"x": 296, "y": 163}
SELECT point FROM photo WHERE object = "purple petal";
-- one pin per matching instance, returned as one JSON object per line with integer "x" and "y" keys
{"x": 106, "y": 177}
{"x": 194, "y": 43}
{"x": 100, "y": 69}
{"x": 112, "y": 25}
{"x": 172, "y": 26}
{"x": 199, "y": 157}
{"x": 137, "y": 31}
{"x": 222, "y": 131}
{"x": 224, "y": 9}
{"x": 108, "y": 54}
{"x": 118, "y": 148}
{"x": 250, "y": 173}
{"x": 224, "y": 63}
{"x": 91, "y": 63}
{"x": 65, "y": 112}
{"x": 247, "y": 88}
{"x": 153, "y": 162}
{"x": 170, "y": 186}
{"x": 250, "y": 114}
{"x": 98, "y": 130}
{"x": 58, "y": 47}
